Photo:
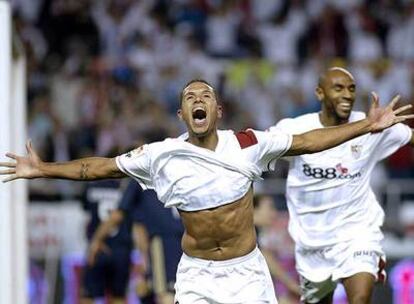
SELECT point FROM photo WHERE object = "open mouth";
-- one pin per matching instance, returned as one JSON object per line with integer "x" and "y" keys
{"x": 345, "y": 106}
{"x": 199, "y": 116}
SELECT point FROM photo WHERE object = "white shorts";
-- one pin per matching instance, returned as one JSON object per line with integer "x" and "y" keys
{"x": 321, "y": 269}
{"x": 240, "y": 280}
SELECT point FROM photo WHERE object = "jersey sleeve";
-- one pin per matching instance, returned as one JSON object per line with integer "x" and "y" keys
{"x": 137, "y": 164}
{"x": 271, "y": 146}
{"x": 392, "y": 139}
{"x": 286, "y": 126}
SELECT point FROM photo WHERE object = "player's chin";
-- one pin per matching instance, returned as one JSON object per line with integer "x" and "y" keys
{"x": 200, "y": 131}
{"x": 344, "y": 114}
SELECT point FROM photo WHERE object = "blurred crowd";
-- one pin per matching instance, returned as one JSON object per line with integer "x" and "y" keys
{"x": 105, "y": 75}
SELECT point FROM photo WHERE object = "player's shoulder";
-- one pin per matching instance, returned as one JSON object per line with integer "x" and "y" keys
{"x": 247, "y": 137}
{"x": 297, "y": 124}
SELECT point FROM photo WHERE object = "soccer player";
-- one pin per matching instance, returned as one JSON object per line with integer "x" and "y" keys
{"x": 109, "y": 271}
{"x": 158, "y": 238}
{"x": 208, "y": 174}
{"x": 335, "y": 218}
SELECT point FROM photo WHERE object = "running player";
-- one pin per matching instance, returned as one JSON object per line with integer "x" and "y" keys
{"x": 208, "y": 174}
{"x": 335, "y": 218}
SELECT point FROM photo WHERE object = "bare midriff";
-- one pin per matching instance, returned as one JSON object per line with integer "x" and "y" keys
{"x": 220, "y": 233}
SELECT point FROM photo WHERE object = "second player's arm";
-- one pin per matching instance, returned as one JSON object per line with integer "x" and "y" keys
{"x": 377, "y": 120}
{"x": 326, "y": 138}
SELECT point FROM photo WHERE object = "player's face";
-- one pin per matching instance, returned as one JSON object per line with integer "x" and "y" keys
{"x": 338, "y": 94}
{"x": 199, "y": 109}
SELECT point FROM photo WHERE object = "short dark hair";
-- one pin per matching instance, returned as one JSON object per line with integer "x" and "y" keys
{"x": 193, "y": 81}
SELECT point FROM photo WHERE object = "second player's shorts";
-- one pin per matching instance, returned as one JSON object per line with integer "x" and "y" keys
{"x": 110, "y": 274}
{"x": 321, "y": 269}
{"x": 240, "y": 280}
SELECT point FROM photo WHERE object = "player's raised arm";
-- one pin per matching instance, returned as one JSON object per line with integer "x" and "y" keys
{"x": 378, "y": 119}
{"x": 31, "y": 166}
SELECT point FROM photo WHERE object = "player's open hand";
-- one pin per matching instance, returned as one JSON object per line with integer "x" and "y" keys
{"x": 384, "y": 117}
{"x": 94, "y": 249}
{"x": 23, "y": 166}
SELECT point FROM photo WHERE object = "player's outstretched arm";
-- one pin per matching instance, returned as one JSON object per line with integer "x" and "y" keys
{"x": 31, "y": 166}
{"x": 378, "y": 119}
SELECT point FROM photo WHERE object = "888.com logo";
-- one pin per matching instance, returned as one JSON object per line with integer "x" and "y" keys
{"x": 338, "y": 171}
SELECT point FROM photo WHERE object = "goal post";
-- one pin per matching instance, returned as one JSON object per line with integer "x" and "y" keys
{"x": 13, "y": 196}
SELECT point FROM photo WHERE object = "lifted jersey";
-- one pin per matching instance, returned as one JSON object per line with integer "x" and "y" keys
{"x": 193, "y": 178}
{"x": 328, "y": 193}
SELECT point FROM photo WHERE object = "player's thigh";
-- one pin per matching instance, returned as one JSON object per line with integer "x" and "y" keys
{"x": 317, "y": 292}
{"x": 328, "y": 299}
{"x": 359, "y": 287}
{"x": 121, "y": 266}
{"x": 94, "y": 278}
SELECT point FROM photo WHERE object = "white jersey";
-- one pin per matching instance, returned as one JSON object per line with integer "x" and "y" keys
{"x": 328, "y": 193}
{"x": 193, "y": 178}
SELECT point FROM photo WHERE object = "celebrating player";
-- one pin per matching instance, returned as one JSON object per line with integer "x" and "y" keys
{"x": 335, "y": 218}
{"x": 208, "y": 176}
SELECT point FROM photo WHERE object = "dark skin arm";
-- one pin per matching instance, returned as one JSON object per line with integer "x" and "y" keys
{"x": 377, "y": 120}
{"x": 31, "y": 166}
{"x": 102, "y": 232}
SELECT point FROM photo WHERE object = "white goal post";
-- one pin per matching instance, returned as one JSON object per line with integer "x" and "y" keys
{"x": 13, "y": 196}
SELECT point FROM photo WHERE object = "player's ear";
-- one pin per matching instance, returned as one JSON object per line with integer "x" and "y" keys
{"x": 319, "y": 93}
{"x": 180, "y": 114}
{"x": 219, "y": 111}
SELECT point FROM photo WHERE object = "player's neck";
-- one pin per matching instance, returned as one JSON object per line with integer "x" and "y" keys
{"x": 328, "y": 120}
{"x": 208, "y": 141}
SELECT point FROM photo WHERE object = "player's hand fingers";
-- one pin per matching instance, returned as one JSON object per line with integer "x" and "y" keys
{"x": 10, "y": 178}
{"x": 7, "y": 164}
{"x": 402, "y": 109}
{"x": 375, "y": 99}
{"x": 404, "y": 117}
{"x": 29, "y": 147}
{"x": 92, "y": 258}
{"x": 394, "y": 101}
{"x": 8, "y": 171}
{"x": 12, "y": 155}
{"x": 105, "y": 249}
